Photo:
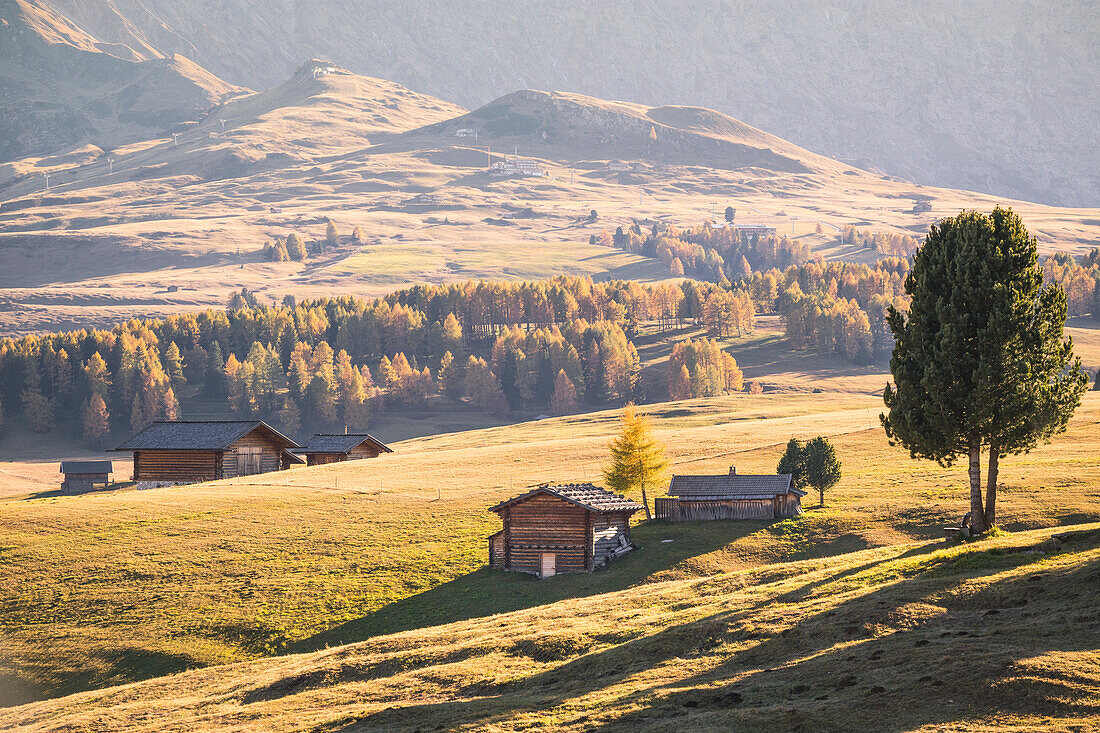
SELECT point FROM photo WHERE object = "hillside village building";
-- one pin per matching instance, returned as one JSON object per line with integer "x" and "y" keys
{"x": 735, "y": 496}
{"x": 335, "y": 447}
{"x": 517, "y": 167}
{"x": 572, "y": 528}
{"x": 169, "y": 453}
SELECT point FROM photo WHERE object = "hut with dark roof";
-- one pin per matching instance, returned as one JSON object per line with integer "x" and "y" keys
{"x": 188, "y": 451}
{"x": 334, "y": 447}
{"x": 736, "y": 496}
{"x": 84, "y": 475}
{"x": 571, "y": 528}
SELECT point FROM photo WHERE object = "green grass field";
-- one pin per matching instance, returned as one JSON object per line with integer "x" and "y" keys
{"x": 117, "y": 586}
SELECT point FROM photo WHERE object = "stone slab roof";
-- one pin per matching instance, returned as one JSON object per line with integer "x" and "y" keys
{"x": 586, "y": 496}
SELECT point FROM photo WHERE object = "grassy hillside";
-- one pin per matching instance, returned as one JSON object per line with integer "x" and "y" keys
{"x": 111, "y": 587}
{"x": 998, "y": 635}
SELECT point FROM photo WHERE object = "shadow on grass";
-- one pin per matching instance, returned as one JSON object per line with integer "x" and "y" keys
{"x": 486, "y": 592}
{"x": 884, "y": 660}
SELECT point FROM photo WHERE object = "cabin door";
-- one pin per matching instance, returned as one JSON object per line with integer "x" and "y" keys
{"x": 248, "y": 459}
{"x": 549, "y": 564}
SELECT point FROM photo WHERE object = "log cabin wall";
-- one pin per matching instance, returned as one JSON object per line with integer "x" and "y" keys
{"x": 606, "y": 531}
{"x": 546, "y": 523}
{"x": 496, "y": 550}
{"x": 239, "y": 455}
{"x": 167, "y": 465}
{"x": 321, "y": 459}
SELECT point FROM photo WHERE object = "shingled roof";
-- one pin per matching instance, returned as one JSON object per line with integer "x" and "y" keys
{"x": 734, "y": 486}
{"x": 586, "y": 496}
{"x": 198, "y": 435}
{"x": 86, "y": 467}
{"x": 341, "y": 443}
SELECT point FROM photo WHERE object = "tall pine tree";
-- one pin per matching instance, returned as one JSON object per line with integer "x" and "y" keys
{"x": 979, "y": 361}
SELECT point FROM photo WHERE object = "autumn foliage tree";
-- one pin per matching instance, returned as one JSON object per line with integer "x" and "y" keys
{"x": 637, "y": 458}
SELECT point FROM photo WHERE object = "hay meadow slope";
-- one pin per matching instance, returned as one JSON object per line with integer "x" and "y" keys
{"x": 164, "y": 580}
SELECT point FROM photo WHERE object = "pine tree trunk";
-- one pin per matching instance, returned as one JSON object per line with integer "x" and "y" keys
{"x": 645, "y": 503}
{"x": 991, "y": 488}
{"x": 977, "y": 511}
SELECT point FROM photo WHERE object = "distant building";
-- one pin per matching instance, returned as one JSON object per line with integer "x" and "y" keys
{"x": 736, "y": 496}
{"x": 466, "y": 132}
{"x": 516, "y": 167}
{"x": 335, "y": 447}
{"x": 84, "y": 475}
{"x": 759, "y": 229}
{"x": 573, "y": 528}
{"x": 168, "y": 453}
{"x": 921, "y": 206}
{"x": 618, "y": 165}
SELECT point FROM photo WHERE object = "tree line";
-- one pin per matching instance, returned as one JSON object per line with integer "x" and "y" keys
{"x": 321, "y": 363}
{"x": 706, "y": 252}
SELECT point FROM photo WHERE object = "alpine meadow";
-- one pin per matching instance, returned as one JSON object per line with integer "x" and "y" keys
{"x": 500, "y": 366}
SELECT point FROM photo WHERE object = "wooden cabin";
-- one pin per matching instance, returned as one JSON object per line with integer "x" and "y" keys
{"x": 735, "y": 496}
{"x": 335, "y": 447}
{"x": 188, "y": 451}
{"x": 572, "y": 528}
{"x": 84, "y": 475}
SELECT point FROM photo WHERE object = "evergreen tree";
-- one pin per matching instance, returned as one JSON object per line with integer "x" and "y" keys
{"x": 97, "y": 422}
{"x": 332, "y": 236}
{"x": 564, "y": 398}
{"x": 450, "y": 376}
{"x": 289, "y": 418}
{"x": 295, "y": 247}
{"x": 794, "y": 463}
{"x": 173, "y": 364}
{"x": 97, "y": 375}
{"x": 679, "y": 384}
{"x": 637, "y": 459}
{"x": 214, "y": 383}
{"x": 37, "y": 410}
{"x": 979, "y": 361}
{"x": 730, "y": 213}
{"x": 822, "y": 466}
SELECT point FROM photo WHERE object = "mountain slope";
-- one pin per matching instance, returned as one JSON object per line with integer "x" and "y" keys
{"x": 61, "y": 88}
{"x": 988, "y": 96}
{"x": 575, "y": 127}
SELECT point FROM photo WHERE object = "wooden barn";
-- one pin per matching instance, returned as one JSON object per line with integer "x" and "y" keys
{"x": 187, "y": 451}
{"x": 572, "y": 528}
{"x": 736, "y": 496}
{"x": 335, "y": 447}
{"x": 84, "y": 475}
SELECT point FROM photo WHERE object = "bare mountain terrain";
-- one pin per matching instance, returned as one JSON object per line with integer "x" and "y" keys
{"x": 979, "y": 95}
{"x": 62, "y": 89}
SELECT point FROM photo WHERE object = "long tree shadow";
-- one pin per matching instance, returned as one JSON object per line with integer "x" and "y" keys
{"x": 485, "y": 592}
{"x": 908, "y": 653}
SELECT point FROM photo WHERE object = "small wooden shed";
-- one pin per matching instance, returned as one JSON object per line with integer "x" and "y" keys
{"x": 84, "y": 475}
{"x": 570, "y": 528}
{"x": 188, "y": 451}
{"x": 736, "y": 496}
{"x": 335, "y": 447}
